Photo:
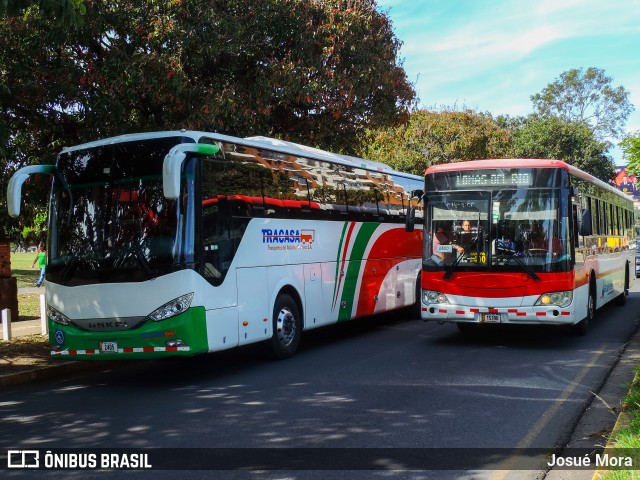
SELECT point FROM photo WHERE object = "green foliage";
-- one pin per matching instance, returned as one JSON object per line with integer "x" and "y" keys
{"x": 572, "y": 142}
{"x": 588, "y": 97}
{"x": 35, "y": 233}
{"x": 631, "y": 152}
{"x": 431, "y": 138}
{"x": 67, "y": 13}
{"x": 318, "y": 73}
{"x": 627, "y": 439}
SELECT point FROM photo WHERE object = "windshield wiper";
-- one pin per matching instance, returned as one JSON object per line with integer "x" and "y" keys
{"x": 453, "y": 266}
{"x": 526, "y": 268}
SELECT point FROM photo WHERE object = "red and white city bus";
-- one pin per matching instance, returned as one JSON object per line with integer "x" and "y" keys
{"x": 522, "y": 241}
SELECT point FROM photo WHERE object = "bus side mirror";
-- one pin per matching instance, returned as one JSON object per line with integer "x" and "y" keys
{"x": 14, "y": 189}
{"x": 410, "y": 219}
{"x": 584, "y": 223}
{"x": 172, "y": 165}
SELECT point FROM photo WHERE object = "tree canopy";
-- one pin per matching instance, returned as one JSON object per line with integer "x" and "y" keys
{"x": 572, "y": 142}
{"x": 314, "y": 72}
{"x": 631, "y": 151}
{"x": 589, "y": 97}
{"x": 431, "y": 138}
{"x": 318, "y": 72}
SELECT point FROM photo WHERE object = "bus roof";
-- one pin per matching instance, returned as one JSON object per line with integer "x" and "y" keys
{"x": 523, "y": 163}
{"x": 281, "y": 146}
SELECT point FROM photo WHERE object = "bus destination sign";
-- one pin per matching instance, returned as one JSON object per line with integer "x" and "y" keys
{"x": 494, "y": 179}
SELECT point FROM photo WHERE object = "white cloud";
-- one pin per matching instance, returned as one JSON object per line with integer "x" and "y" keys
{"x": 493, "y": 54}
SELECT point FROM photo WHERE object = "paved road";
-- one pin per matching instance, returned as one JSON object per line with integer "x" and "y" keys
{"x": 399, "y": 384}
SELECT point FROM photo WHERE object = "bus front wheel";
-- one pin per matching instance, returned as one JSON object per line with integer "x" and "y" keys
{"x": 287, "y": 327}
{"x": 582, "y": 326}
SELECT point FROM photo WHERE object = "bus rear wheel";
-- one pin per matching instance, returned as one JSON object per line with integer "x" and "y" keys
{"x": 287, "y": 327}
{"x": 622, "y": 298}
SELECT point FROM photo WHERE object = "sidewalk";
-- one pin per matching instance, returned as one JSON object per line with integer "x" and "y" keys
{"x": 27, "y": 327}
{"x": 36, "y": 368}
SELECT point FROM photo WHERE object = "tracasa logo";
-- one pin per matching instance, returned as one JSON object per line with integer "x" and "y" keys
{"x": 288, "y": 239}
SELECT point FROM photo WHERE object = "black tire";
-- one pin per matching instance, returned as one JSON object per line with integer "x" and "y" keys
{"x": 416, "y": 308}
{"x": 287, "y": 327}
{"x": 622, "y": 298}
{"x": 582, "y": 327}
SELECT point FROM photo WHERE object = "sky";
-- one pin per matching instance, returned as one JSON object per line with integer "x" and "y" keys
{"x": 493, "y": 55}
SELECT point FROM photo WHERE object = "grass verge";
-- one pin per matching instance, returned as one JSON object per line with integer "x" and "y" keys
{"x": 21, "y": 269}
{"x": 627, "y": 438}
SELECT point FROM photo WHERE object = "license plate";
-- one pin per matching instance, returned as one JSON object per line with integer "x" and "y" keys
{"x": 108, "y": 347}
{"x": 491, "y": 317}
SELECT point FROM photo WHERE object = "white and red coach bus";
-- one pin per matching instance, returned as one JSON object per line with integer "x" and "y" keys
{"x": 177, "y": 243}
{"x": 523, "y": 241}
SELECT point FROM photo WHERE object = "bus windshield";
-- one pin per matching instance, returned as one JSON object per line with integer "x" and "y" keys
{"x": 498, "y": 230}
{"x": 110, "y": 221}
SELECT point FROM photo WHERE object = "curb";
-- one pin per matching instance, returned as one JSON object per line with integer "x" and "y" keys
{"x": 51, "y": 372}
{"x": 621, "y": 422}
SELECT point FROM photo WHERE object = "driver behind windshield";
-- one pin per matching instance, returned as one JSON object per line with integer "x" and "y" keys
{"x": 465, "y": 236}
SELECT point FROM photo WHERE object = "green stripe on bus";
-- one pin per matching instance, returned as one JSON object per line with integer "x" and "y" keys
{"x": 335, "y": 284}
{"x": 355, "y": 261}
{"x": 189, "y": 326}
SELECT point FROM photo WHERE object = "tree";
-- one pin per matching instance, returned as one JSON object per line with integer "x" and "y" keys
{"x": 431, "y": 138}
{"x": 588, "y": 97}
{"x": 314, "y": 72}
{"x": 631, "y": 152}
{"x": 572, "y": 142}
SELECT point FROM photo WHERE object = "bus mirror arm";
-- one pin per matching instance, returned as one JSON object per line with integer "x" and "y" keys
{"x": 172, "y": 165}
{"x": 410, "y": 220}
{"x": 14, "y": 189}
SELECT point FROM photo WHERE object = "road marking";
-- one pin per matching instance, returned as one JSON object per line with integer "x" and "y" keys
{"x": 541, "y": 424}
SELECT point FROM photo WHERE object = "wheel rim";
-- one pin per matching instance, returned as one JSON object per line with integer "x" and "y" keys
{"x": 286, "y": 327}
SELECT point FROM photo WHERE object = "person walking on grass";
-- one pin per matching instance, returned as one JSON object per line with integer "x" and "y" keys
{"x": 41, "y": 258}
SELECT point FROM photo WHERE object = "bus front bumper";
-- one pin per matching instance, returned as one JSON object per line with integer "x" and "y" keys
{"x": 550, "y": 315}
{"x": 182, "y": 335}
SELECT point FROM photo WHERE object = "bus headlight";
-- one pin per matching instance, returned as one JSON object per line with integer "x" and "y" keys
{"x": 172, "y": 308}
{"x": 430, "y": 296}
{"x": 560, "y": 299}
{"x": 57, "y": 317}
